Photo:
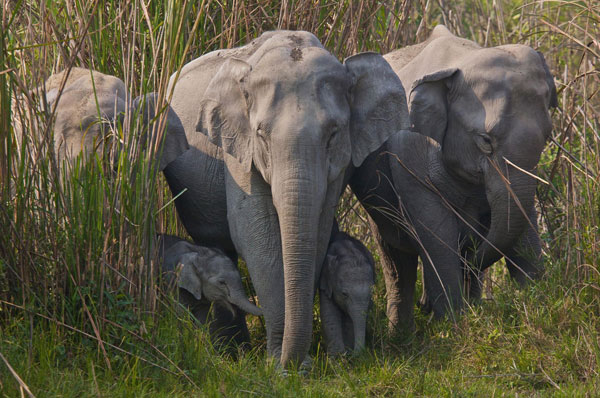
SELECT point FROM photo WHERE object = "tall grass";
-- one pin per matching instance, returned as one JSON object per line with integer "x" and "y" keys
{"x": 76, "y": 249}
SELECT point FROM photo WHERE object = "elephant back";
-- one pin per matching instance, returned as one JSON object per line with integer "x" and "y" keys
{"x": 441, "y": 41}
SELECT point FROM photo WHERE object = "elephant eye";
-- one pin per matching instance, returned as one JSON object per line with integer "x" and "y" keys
{"x": 263, "y": 134}
{"x": 262, "y": 131}
{"x": 333, "y": 133}
{"x": 484, "y": 142}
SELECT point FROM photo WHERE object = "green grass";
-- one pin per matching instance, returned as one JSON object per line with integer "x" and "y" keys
{"x": 80, "y": 310}
{"x": 533, "y": 340}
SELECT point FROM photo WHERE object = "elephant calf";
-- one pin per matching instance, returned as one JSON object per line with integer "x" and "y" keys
{"x": 206, "y": 276}
{"x": 345, "y": 293}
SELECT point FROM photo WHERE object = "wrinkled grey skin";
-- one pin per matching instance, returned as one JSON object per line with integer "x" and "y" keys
{"x": 409, "y": 181}
{"x": 482, "y": 105}
{"x": 88, "y": 109}
{"x": 206, "y": 277}
{"x": 345, "y": 286}
{"x": 273, "y": 125}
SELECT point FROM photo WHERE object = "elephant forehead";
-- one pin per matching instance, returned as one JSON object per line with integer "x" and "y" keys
{"x": 354, "y": 278}
{"x": 350, "y": 266}
{"x": 316, "y": 85}
{"x": 490, "y": 98}
{"x": 76, "y": 108}
{"x": 224, "y": 264}
{"x": 507, "y": 70}
{"x": 82, "y": 98}
{"x": 296, "y": 65}
{"x": 273, "y": 39}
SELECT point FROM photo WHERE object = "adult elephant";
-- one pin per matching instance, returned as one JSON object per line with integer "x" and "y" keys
{"x": 89, "y": 104}
{"x": 488, "y": 110}
{"x": 273, "y": 126}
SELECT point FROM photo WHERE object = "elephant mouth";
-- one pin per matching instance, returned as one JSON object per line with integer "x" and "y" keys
{"x": 231, "y": 308}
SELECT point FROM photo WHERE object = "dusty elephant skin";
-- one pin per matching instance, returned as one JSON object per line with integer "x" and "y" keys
{"x": 345, "y": 286}
{"x": 415, "y": 182}
{"x": 88, "y": 108}
{"x": 273, "y": 125}
{"x": 209, "y": 285}
{"x": 488, "y": 110}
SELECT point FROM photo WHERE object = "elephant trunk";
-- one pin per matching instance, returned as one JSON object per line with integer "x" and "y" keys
{"x": 241, "y": 301}
{"x": 359, "y": 323}
{"x": 298, "y": 202}
{"x": 509, "y": 197}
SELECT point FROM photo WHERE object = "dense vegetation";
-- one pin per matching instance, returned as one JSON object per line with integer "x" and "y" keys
{"x": 80, "y": 310}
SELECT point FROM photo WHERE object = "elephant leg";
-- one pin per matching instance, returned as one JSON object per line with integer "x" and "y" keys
{"x": 254, "y": 229}
{"x": 472, "y": 276}
{"x": 400, "y": 275}
{"x": 474, "y": 283}
{"x": 524, "y": 261}
{"x": 438, "y": 242}
{"x": 331, "y": 323}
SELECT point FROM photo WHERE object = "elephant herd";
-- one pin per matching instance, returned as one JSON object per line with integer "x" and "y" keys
{"x": 439, "y": 142}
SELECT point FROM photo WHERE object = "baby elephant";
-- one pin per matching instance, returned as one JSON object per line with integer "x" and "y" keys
{"x": 206, "y": 276}
{"x": 345, "y": 293}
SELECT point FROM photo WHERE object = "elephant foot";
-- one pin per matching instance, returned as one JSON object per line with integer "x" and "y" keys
{"x": 402, "y": 322}
{"x": 400, "y": 314}
{"x": 303, "y": 370}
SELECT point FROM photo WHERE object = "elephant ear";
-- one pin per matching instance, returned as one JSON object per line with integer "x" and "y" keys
{"x": 553, "y": 103}
{"x": 428, "y": 103}
{"x": 324, "y": 284}
{"x": 173, "y": 141}
{"x": 189, "y": 279}
{"x": 378, "y": 104}
{"x": 224, "y": 112}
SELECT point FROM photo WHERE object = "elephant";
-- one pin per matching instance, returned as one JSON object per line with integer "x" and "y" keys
{"x": 347, "y": 277}
{"x": 206, "y": 277}
{"x": 88, "y": 108}
{"x": 273, "y": 125}
{"x": 413, "y": 203}
{"x": 488, "y": 110}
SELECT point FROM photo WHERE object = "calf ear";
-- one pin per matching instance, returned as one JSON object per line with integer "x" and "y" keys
{"x": 188, "y": 277}
{"x": 378, "y": 104}
{"x": 223, "y": 114}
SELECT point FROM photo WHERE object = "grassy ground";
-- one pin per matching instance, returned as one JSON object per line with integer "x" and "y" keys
{"x": 80, "y": 314}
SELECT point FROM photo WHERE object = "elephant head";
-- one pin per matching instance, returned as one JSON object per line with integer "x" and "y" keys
{"x": 91, "y": 105}
{"x": 488, "y": 108}
{"x": 211, "y": 275}
{"x": 295, "y": 115}
{"x": 346, "y": 279}
{"x": 86, "y": 111}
